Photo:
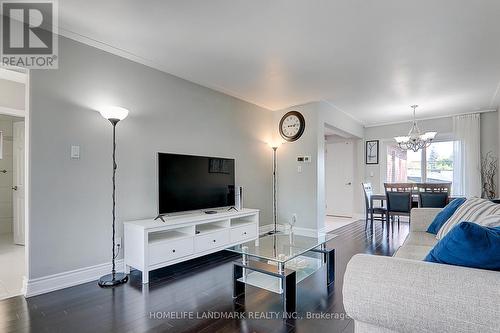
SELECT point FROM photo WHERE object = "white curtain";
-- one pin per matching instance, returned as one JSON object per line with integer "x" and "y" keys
{"x": 467, "y": 155}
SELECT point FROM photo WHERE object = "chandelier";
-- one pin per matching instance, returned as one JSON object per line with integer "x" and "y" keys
{"x": 415, "y": 140}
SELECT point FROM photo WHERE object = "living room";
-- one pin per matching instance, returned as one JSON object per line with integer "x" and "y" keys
{"x": 121, "y": 233}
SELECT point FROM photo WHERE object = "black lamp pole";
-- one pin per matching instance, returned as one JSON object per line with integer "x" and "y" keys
{"x": 113, "y": 279}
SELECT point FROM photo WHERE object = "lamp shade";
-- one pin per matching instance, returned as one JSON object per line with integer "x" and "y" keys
{"x": 114, "y": 112}
{"x": 429, "y": 135}
{"x": 400, "y": 139}
{"x": 274, "y": 144}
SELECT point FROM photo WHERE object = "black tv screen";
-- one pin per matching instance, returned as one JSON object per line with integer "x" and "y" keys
{"x": 187, "y": 182}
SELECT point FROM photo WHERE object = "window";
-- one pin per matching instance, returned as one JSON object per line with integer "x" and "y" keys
{"x": 415, "y": 167}
{"x": 433, "y": 164}
{"x": 439, "y": 159}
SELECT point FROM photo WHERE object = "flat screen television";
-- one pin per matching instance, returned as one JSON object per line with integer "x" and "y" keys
{"x": 187, "y": 182}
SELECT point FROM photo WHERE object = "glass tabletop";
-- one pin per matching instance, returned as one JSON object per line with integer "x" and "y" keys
{"x": 281, "y": 247}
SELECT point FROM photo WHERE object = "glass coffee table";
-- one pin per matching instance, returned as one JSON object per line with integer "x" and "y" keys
{"x": 278, "y": 262}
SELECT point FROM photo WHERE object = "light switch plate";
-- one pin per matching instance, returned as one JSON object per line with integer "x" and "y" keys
{"x": 304, "y": 159}
{"x": 75, "y": 152}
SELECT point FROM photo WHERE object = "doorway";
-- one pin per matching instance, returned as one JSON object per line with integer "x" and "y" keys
{"x": 339, "y": 175}
{"x": 12, "y": 182}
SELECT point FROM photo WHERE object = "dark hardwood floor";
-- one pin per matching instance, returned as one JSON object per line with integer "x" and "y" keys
{"x": 198, "y": 288}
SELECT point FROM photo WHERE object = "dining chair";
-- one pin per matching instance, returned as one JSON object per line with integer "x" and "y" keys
{"x": 399, "y": 187}
{"x": 399, "y": 203}
{"x": 434, "y": 187}
{"x": 432, "y": 199}
{"x": 370, "y": 210}
{"x": 433, "y": 195}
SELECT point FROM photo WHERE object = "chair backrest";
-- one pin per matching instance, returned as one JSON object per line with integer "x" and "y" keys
{"x": 368, "y": 191}
{"x": 434, "y": 187}
{"x": 399, "y": 187}
{"x": 433, "y": 199}
{"x": 399, "y": 201}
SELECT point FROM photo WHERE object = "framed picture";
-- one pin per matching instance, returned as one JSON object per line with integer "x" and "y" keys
{"x": 371, "y": 152}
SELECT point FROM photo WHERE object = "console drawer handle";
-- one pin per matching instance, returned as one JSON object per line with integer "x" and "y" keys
{"x": 173, "y": 250}
{"x": 215, "y": 241}
{"x": 245, "y": 233}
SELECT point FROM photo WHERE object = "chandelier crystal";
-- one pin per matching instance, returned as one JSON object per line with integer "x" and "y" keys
{"x": 415, "y": 140}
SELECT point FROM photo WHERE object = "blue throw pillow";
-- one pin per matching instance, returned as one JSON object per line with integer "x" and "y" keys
{"x": 469, "y": 244}
{"x": 444, "y": 215}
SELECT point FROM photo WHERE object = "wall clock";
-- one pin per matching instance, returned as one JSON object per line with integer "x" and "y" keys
{"x": 292, "y": 126}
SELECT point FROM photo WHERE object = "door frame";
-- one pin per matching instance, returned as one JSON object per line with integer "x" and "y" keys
{"x": 27, "y": 178}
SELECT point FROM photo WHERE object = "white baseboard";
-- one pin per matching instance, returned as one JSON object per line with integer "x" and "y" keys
{"x": 297, "y": 230}
{"x": 264, "y": 229}
{"x": 63, "y": 280}
{"x": 307, "y": 231}
{"x": 359, "y": 216}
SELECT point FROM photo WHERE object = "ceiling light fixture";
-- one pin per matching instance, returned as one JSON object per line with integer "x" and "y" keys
{"x": 415, "y": 140}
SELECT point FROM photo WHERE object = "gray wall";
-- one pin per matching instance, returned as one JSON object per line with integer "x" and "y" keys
{"x": 444, "y": 127}
{"x": 304, "y": 193}
{"x": 489, "y": 133}
{"x": 71, "y": 199}
{"x": 297, "y": 192}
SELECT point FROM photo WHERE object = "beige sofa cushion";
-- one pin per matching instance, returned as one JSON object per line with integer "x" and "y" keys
{"x": 416, "y": 246}
{"x": 421, "y": 238}
{"x": 413, "y": 252}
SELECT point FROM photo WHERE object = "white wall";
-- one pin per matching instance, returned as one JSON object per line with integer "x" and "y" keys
{"x": 304, "y": 193}
{"x": 444, "y": 126}
{"x": 11, "y": 94}
{"x": 70, "y": 215}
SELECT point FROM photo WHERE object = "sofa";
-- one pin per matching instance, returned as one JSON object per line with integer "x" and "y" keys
{"x": 403, "y": 293}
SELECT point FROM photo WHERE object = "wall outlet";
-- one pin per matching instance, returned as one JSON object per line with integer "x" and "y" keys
{"x": 118, "y": 242}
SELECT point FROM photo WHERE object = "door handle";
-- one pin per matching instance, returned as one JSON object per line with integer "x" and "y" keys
{"x": 348, "y": 183}
{"x": 3, "y": 171}
{"x": 14, "y": 188}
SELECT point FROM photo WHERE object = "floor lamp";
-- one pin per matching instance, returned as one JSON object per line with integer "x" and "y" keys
{"x": 275, "y": 208}
{"x": 114, "y": 114}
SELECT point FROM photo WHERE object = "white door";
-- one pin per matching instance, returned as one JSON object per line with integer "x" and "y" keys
{"x": 339, "y": 174}
{"x": 18, "y": 182}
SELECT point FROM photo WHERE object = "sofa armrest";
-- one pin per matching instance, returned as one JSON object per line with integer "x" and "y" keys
{"x": 421, "y": 218}
{"x": 415, "y": 296}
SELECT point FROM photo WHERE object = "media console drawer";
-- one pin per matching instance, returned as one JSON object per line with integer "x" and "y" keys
{"x": 210, "y": 241}
{"x": 241, "y": 233}
{"x": 170, "y": 250}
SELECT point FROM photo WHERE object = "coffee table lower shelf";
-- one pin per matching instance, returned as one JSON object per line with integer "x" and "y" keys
{"x": 281, "y": 279}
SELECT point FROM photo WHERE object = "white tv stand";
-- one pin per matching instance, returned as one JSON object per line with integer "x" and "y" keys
{"x": 151, "y": 244}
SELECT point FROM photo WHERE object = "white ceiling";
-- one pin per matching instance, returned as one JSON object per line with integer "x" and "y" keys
{"x": 369, "y": 58}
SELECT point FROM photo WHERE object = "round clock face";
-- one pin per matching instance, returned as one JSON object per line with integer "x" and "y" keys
{"x": 292, "y": 126}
